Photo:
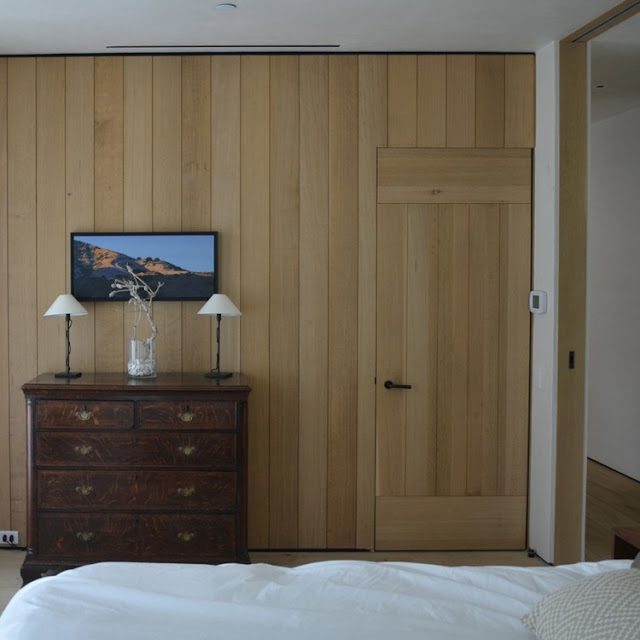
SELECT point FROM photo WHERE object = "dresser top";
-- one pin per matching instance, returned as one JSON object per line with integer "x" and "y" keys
{"x": 121, "y": 382}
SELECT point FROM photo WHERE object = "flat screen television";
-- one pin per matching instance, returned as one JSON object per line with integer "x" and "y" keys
{"x": 186, "y": 263}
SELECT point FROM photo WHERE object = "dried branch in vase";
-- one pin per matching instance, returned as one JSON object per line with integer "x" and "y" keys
{"x": 136, "y": 287}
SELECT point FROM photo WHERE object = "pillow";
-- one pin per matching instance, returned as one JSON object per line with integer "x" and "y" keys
{"x": 601, "y": 607}
{"x": 636, "y": 563}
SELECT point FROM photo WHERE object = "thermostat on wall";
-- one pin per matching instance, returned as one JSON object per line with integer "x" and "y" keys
{"x": 538, "y": 301}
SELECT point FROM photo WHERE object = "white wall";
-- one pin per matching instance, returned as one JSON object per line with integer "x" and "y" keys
{"x": 544, "y": 345}
{"x": 613, "y": 294}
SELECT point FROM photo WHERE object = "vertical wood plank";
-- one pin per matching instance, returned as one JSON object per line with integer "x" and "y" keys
{"x": 196, "y": 196}
{"x": 569, "y": 511}
{"x": 109, "y": 197}
{"x": 343, "y": 299}
{"x": 515, "y": 323}
{"x": 23, "y": 309}
{"x": 422, "y": 338}
{"x": 391, "y": 349}
{"x": 520, "y": 87}
{"x": 225, "y": 192}
{"x": 109, "y": 140}
{"x": 196, "y": 143}
{"x": 5, "y": 458}
{"x": 79, "y": 173}
{"x": 484, "y": 343}
{"x": 402, "y": 100}
{"x": 453, "y": 319}
{"x": 490, "y": 101}
{"x": 50, "y": 209}
{"x": 167, "y": 192}
{"x": 254, "y": 275}
{"x": 138, "y": 143}
{"x": 167, "y": 143}
{"x": 284, "y": 300}
{"x": 372, "y": 132}
{"x": 138, "y": 159}
{"x": 432, "y": 101}
{"x": 461, "y": 100}
{"x": 314, "y": 299}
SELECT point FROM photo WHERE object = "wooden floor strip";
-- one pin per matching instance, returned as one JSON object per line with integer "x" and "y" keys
{"x": 613, "y": 500}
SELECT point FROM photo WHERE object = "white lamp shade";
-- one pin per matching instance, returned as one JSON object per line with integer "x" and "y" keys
{"x": 65, "y": 304}
{"x": 219, "y": 304}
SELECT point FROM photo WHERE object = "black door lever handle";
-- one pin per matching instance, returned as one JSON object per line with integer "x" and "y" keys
{"x": 389, "y": 384}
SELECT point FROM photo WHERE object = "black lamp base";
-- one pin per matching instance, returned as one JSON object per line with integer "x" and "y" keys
{"x": 68, "y": 374}
{"x": 218, "y": 374}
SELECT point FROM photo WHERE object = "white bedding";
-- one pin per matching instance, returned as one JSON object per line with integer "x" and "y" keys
{"x": 335, "y": 600}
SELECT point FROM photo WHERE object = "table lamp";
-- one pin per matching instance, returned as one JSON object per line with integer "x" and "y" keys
{"x": 219, "y": 305}
{"x": 66, "y": 305}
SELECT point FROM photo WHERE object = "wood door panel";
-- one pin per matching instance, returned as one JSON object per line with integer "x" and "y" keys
{"x": 453, "y": 322}
{"x": 421, "y": 359}
{"x": 515, "y": 328}
{"x": 484, "y": 343}
{"x": 442, "y": 523}
{"x": 453, "y": 349}
{"x": 454, "y": 175}
{"x": 390, "y": 445}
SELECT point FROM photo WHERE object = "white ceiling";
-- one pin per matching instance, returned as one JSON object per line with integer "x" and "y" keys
{"x": 96, "y": 26}
{"x": 197, "y": 26}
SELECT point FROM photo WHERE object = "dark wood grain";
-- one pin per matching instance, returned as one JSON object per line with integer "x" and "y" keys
{"x": 82, "y": 414}
{"x": 130, "y": 470}
{"x": 187, "y": 415}
{"x": 186, "y": 450}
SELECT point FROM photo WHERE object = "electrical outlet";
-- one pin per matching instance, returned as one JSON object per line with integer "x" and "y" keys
{"x": 9, "y": 539}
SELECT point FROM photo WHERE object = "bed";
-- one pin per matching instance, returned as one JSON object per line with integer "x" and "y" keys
{"x": 337, "y": 600}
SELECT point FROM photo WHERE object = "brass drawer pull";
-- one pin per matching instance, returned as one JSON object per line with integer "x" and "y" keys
{"x": 186, "y": 536}
{"x": 186, "y": 415}
{"x": 185, "y": 492}
{"x": 187, "y": 450}
{"x": 85, "y": 536}
{"x": 84, "y": 489}
{"x": 83, "y": 449}
{"x": 84, "y": 415}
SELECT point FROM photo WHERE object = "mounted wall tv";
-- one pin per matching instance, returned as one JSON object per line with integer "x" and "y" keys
{"x": 186, "y": 264}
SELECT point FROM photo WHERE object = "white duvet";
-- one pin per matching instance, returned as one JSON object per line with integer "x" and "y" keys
{"x": 336, "y": 600}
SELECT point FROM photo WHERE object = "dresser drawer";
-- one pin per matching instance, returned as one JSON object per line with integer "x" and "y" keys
{"x": 87, "y": 537}
{"x": 188, "y": 537}
{"x": 97, "y": 449}
{"x": 187, "y": 415}
{"x": 181, "y": 491}
{"x": 81, "y": 538}
{"x": 56, "y": 414}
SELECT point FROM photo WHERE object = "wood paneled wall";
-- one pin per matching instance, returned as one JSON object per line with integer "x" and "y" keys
{"x": 278, "y": 154}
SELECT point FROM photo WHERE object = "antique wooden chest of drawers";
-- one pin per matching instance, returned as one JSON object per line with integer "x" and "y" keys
{"x": 124, "y": 469}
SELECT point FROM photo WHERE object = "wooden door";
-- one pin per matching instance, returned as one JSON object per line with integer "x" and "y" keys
{"x": 453, "y": 273}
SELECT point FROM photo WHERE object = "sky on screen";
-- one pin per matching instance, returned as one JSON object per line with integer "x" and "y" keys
{"x": 189, "y": 252}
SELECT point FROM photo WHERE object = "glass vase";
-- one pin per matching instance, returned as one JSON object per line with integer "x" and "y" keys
{"x": 142, "y": 358}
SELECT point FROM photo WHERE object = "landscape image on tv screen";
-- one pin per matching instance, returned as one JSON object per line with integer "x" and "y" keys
{"x": 184, "y": 262}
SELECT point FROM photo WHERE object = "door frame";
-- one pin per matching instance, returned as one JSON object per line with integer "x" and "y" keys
{"x": 570, "y": 463}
